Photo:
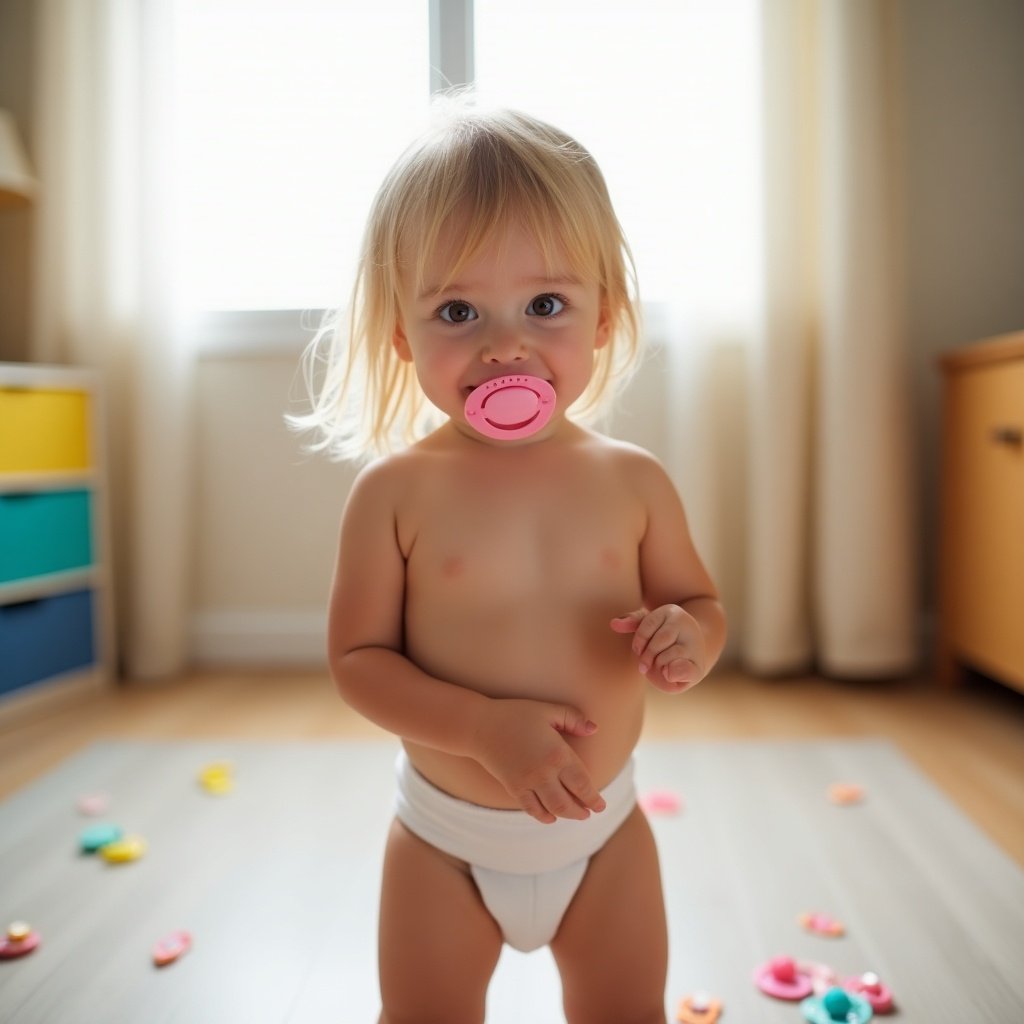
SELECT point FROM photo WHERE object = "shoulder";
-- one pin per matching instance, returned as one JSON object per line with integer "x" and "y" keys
{"x": 392, "y": 477}
{"x": 382, "y": 478}
{"x": 637, "y": 465}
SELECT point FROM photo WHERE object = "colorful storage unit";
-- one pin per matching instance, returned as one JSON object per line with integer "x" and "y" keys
{"x": 54, "y": 593}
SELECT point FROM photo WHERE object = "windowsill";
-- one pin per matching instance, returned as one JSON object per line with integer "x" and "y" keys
{"x": 255, "y": 333}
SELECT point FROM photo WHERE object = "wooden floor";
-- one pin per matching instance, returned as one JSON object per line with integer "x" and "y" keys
{"x": 969, "y": 741}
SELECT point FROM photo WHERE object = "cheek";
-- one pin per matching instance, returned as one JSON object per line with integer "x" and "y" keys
{"x": 439, "y": 369}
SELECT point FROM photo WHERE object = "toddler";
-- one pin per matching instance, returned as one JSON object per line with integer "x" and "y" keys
{"x": 509, "y": 582}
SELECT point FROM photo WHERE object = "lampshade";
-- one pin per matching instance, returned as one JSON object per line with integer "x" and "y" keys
{"x": 17, "y": 186}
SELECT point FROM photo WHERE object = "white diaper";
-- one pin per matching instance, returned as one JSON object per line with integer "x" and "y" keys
{"x": 527, "y": 872}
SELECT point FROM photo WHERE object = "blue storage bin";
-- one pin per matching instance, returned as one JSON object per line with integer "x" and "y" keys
{"x": 44, "y": 532}
{"x": 45, "y": 637}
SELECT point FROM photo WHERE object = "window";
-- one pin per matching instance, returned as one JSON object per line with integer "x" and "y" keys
{"x": 287, "y": 119}
{"x": 665, "y": 95}
{"x": 290, "y": 114}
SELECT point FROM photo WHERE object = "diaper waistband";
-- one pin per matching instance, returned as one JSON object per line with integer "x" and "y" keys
{"x": 504, "y": 840}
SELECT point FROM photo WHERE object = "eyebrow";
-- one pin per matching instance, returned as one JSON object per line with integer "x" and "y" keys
{"x": 432, "y": 291}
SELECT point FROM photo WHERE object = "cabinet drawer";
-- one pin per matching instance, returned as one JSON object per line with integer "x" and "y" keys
{"x": 44, "y": 532}
{"x": 984, "y": 531}
{"x": 46, "y": 637}
{"x": 43, "y": 431}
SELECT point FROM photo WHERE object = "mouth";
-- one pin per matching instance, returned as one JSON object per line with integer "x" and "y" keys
{"x": 510, "y": 407}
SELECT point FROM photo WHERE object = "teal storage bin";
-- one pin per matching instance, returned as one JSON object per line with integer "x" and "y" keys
{"x": 44, "y": 532}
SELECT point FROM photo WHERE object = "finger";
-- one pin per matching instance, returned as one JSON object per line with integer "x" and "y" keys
{"x": 528, "y": 802}
{"x": 577, "y": 781}
{"x": 571, "y": 720}
{"x": 678, "y": 657}
{"x": 627, "y": 623}
{"x": 556, "y": 800}
{"x": 682, "y": 670}
{"x": 648, "y": 626}
{"x": 663, "y": 638}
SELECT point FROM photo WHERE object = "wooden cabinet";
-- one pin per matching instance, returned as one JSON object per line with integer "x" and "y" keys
{"x": 55, "y": 628}
{"x": 982, "y": 513}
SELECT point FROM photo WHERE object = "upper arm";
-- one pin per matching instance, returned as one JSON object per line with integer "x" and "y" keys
{"x": 671, "y": 569}
{"x": 368, "y": 591}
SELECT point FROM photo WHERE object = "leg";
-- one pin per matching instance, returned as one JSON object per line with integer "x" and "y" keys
{"x": 612, "y": 946}
{"x": 438, "y": 944}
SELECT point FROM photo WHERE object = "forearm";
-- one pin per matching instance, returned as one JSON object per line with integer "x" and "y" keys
{"x": 392, "y": 692}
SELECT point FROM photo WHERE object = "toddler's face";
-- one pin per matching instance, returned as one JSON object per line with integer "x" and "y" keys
{"x": 507, "y": 312}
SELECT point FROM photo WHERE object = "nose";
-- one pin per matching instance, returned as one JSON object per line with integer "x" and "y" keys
{"x": 504, "y": 345}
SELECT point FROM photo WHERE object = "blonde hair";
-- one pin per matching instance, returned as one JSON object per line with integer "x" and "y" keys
{"x": 489, "y": 169}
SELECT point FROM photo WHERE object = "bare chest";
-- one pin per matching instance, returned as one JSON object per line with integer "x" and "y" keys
{"x": 505, "y": 542}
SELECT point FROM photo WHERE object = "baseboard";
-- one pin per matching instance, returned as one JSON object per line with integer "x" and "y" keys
{"x": 248, "y": 637}
{"x": 17, "y": 706}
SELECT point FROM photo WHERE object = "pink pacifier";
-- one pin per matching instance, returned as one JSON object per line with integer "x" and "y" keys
{"x": 870, "y": 987}
{"x": 510, "y": 407}
{"x": 783, "y": 978}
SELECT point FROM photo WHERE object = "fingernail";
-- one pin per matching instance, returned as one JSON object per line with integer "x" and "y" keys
{"x": 590, "y": 726}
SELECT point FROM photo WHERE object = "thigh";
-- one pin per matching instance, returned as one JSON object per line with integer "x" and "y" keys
{"x": 438, "y": 945}
{"x": 612, "y": 946}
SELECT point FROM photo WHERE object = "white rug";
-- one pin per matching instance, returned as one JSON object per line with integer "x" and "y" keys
{"x": 278, "y": 884}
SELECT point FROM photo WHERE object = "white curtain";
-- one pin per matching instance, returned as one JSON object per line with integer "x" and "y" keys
{"x": 104, "y": 297}
{"x": 809, "y": 526}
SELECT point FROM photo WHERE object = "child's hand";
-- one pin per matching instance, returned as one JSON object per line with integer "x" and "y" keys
{"x": 670, "y": 645}
{"x": 521, "y": 744}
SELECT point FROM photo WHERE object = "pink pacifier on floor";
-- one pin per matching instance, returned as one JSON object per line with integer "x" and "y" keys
{"x": 783, "y": 978}
{"x": 870, "y": 987}
{"x": 19, "y": 941}
{"x": 508, "y": 408}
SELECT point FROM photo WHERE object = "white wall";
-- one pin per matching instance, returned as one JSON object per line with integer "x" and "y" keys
{"x": 963, "y": 110}
{"x": 267, "y": 516}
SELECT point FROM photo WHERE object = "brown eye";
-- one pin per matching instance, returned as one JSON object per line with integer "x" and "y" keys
{"x": 457, "y": 312}
{"x": 545, "y": 306}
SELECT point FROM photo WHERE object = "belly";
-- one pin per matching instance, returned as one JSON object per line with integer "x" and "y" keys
{"x": 539, "y": 654}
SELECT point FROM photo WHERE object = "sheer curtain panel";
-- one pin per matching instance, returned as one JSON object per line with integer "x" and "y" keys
{"x": 830, "y": 581}
{"x": 106, "y": 272}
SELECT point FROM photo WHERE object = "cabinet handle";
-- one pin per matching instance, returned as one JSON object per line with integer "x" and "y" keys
{"x": 1013, "y": 437}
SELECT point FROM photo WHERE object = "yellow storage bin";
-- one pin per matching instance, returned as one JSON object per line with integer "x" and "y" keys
{"x": 43, "y": 431}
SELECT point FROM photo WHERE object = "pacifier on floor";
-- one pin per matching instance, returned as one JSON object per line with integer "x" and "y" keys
{"x": 783, "y": 978}
{"x": 19, "y": 941}
{"x": 836, "y": 1007}
{"x": 511, "y": 407}
{"x": 870, "y": 987}
{"x": 698, "y": 1008}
